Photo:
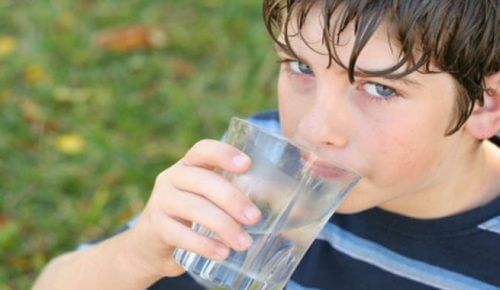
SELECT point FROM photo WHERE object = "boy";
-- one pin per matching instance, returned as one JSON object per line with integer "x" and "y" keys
{"x": 405, "y": 92}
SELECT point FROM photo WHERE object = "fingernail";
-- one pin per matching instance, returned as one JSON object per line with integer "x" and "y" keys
{"x": 251, "y": 213}
{"x": 239, "y": 160}
{"x": 245, "y": 241}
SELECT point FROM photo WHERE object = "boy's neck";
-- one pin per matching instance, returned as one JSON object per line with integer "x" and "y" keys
{"x": 475, "y": 184}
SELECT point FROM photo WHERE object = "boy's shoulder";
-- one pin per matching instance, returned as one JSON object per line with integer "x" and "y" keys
{"x": 268, "y": 120}
{"x": 393, "y": 251}
{"x": 265, "y": 116}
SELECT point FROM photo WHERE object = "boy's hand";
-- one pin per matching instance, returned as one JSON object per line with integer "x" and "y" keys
{"x": 190, "y": 191}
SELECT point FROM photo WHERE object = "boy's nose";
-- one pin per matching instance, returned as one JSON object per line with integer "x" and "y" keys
{"x": 325, "y": 123}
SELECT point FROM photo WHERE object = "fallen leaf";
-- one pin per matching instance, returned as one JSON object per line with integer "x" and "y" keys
{"x": 7, "y": 45}
{"x": 71, "y": 144}
{"x": 3, "y": 220}
{"x": 31, "y": 111}
{"x": 20, "y": 263}
{"x": 34, "y": 74}
{"x": 50, "y": 126}
{"x": 181, "y": 68}
{"x": 131, "y": 38}
{"x": 66, "y": 20}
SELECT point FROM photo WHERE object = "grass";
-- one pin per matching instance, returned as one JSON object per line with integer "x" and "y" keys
{"x": 84, "y": 132}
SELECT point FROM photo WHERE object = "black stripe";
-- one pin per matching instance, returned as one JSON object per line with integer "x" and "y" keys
{"x": 325, "y": 268}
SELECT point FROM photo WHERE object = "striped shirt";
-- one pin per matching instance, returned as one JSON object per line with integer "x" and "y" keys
{"x": 376, "y": 249}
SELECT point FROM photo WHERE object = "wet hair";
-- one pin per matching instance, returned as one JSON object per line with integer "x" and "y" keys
{"x": 459, "y": 37}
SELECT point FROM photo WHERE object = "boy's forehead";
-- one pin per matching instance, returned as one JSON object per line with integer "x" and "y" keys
{"x": 381, "y": 51}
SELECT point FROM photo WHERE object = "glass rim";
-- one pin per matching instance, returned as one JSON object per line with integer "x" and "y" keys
{"x": 293, "y": 143}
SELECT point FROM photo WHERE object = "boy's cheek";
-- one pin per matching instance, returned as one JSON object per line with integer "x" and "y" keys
{"x": 295, "y": 94}
{"x": 291, "y": 109}
{"x": 383, "y": 181}
{"x": 400, "y": 168}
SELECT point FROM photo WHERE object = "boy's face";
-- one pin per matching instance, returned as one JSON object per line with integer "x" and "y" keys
{"x": 390, "y": 131}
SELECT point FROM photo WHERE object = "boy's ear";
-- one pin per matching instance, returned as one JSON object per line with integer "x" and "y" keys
{"x": 484, "y": 122}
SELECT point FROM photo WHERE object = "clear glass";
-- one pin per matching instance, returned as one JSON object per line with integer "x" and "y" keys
{"x": 296, "y": 199}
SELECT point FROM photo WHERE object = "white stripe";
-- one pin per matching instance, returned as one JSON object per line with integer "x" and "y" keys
{"x": 132, "y": 222}
{"x": 492, "y": 225}
{"x": 397, "y": 264}
{"x": 82, "y": 247}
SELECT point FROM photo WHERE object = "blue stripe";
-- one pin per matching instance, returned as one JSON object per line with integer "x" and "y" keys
{"x": 492, "y": 225}
{"x": 397, "y": 264}
{"x": 271, "y": 125}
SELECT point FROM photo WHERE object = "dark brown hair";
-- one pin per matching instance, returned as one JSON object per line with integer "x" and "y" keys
{"x": 456, "y": 36}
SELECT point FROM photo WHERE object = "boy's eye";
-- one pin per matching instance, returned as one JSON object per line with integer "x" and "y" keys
{"x": 379, "y": 91}
{"x": 300, "y": 68}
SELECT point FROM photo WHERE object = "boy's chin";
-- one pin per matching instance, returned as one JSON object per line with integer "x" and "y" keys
{"x": 351, "y": 207}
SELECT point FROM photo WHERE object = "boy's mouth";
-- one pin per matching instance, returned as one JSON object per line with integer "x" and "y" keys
{"x": 327, "y": 171}
{"x": 324, "y": 169}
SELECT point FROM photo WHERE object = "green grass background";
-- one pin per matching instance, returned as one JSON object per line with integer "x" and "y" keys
{"x": 137, "y": 112}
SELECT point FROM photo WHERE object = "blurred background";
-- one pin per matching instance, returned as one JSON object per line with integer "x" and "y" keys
{"x": 97, "y": 97}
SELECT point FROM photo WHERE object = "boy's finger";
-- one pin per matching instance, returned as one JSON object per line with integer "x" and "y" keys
{"x": 178, "y": 235}
{"x": 218, "y": 190}
{"x": 192, "y": 207}
{"x": 212, "y": 154}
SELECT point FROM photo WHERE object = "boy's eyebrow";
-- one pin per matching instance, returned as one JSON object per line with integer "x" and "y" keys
{"x": 405, "y": 80}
